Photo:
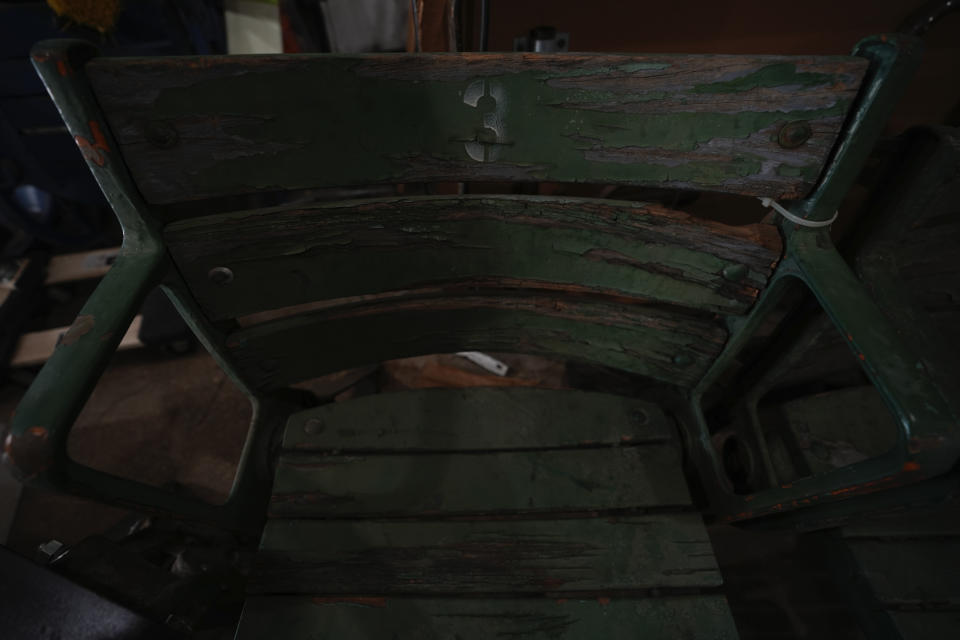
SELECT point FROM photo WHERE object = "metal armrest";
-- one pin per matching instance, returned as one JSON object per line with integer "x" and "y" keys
{"x": 36, "y": 446}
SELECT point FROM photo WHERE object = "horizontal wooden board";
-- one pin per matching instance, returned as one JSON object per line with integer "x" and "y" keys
{"x": 910, "y": 572}
{"x": 336, "y": 557}
{"x": 663, "y": 344}
{"x": 480, "y": 419}
{"x": 702, "y": 616}
{"x": 491, "y": 483}
{"x": 192, "y": 127}
{"x": 282, "y": 257}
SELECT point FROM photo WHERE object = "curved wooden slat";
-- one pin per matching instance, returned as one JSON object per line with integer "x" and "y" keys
{"x": 192, "y": 128}
{"x": 283, "y": 257}
{"x": 665, "y": 344}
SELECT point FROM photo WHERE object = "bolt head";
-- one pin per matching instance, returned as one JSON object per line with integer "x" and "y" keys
{"x": 734, "y": 272}
{"x": 794, "y": 134}
{"x": 220, "y": 275}
{"x": 161, "y": 134}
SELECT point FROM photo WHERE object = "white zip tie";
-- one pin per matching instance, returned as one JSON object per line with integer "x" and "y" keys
{"x": 773, "y": 204}
{"x": 489, "y": 363}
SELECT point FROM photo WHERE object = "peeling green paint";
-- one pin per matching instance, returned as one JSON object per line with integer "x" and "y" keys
{"x": 543, "y": 121}
{"x": 784, "y": 75}
{"x": 808, "y": 173}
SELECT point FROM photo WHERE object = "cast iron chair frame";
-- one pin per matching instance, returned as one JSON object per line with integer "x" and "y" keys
{"x": 928, "y": 443}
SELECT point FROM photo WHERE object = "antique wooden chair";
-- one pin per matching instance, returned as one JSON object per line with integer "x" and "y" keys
{"x": 467, "y": 513}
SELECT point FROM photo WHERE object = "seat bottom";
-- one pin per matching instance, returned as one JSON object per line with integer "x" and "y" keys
{"x": 523, "y": 513}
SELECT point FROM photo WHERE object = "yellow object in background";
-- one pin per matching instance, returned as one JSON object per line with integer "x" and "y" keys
{"x": 99, "y": 14}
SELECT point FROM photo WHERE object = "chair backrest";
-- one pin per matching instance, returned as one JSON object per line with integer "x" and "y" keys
{"x": 303, "y": 291}
{"x": 192, "y": 128}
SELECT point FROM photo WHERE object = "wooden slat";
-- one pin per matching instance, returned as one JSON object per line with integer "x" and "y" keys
{"x": 506, "y": 557}
{"x": 283, "y": 257}
{"x": 527, "y": 482}
{"x": 662, "y": 344}
{"x": 476, "y": 420}
{"x": 198, "y": 127}
{"x": 911, "y": 572}
{"x": 705, "y": 616}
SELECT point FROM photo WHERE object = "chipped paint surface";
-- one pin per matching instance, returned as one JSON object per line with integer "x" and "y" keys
{"x": 591, "y": 247}
{"x": 83, "y": 325}
{"x": 95, "y": 151}
{"x": 571, "y": 118}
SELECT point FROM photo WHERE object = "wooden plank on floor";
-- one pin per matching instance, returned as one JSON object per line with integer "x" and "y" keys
{"x": 36, "y": 347}
{"x": 70, "y": 267}
{"x": 921, "y": 572}
{"x": 432, "y": 484}
{"x": 476, "y": 420}
{"x": 702, "y": 616}
{"x": 486, "y": 557}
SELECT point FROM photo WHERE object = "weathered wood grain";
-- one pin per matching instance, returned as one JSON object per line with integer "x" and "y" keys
{"x": 496, "y": 557}
{"x": 480, "y": 483}
{"x": 192, "y": 128}
{"x": 667, "y": 345}
{"x": 473, "y": 420}
{"x": 282, "y": 257}
{"x": 701, "y": 616}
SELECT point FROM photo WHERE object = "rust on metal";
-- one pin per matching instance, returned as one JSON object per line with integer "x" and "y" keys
{"x": 29, "y": 453}
{"x": 94, "y": 152}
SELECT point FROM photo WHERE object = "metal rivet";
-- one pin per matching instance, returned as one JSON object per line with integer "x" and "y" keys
{"x": 794, "y": 134}
{"x": 220, "y": 275}
{"x": 161, "y": 134}
{"x": 734, "y": 272}
{"x": 313, "y": 426}
{"x": 640, "y": 416}
{"x": 682, "y": 360}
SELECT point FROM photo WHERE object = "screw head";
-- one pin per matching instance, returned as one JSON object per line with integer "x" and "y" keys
{"x": 220, "y": 275}
{"x": 313, "y": 426}
{"x": 794, "y": 134}
{"x": 161, "y": 134}
{"x": 640, "y": 416}
{"x": 734, "y": 272}
{"x": 682, "y": 360}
